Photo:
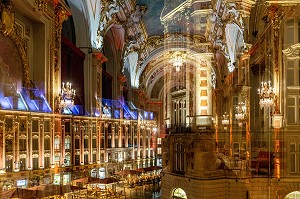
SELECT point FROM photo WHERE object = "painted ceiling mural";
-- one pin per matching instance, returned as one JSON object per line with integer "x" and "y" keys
{"x": 152, "y": 16}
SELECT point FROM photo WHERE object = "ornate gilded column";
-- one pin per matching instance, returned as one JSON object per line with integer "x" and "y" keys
{"x": 62, "y": 143}
{"x": 16, "y": 165}
{"x": 99, "y": 138}
{"x": 41, "y": 143}
{"x": 90, "y": 142}
{"x": 132, "y": 130}
{"x": 105, "y": 140}
{"x": 52, "y": 152}
{"x": 121, "y": 135}
{"x": 113, "y": 143}
{"x": 126, "y": 136}
{"x": 2, "y": 148}
{"x": 82, "y": 123}
{"x": 29, "y": 144}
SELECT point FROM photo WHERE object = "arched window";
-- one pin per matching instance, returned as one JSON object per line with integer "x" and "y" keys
{"x": 179, "y": 193}
{"x": 293, "y": 195}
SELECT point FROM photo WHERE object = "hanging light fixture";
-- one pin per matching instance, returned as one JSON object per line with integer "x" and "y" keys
{"x": 177, "y": 60}
{"x": 240, "y": 114}
{"x": 225, "y": 120}
{"x": 266, "y": 95}
{"x": 66, "y": 96}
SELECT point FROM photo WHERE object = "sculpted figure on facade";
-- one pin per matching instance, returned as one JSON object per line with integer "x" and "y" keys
{"x": 107, "y": 13}
{"x": 7, "y": 17}
{"x": 137, "y": 15}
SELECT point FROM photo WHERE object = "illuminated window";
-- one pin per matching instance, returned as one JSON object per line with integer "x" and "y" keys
{"x": 158, "y": 150}
{"x": 67, "y": 143}
{"x": 294, "y": 158}
{"x": 68, "y": 160}
{"x": 179, "y": 194}
{"x": 57, "y": 160}
{"x": 57, "y": 143}
{"x": 158, "y": 140}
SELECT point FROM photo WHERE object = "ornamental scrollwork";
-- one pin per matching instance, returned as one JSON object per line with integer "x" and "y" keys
{"x": 292, "y": 52}
{"x": 109, "y": 9}
{"x": 8, "y": 28}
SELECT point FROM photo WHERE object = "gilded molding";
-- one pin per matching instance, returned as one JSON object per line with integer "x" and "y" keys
{"x": 108, "y": 17}
{"x": 42, "y": 5}
{"x": 60, "y": 16}
{"x": 9, "y": 28}
{"x": 292, "y": 52}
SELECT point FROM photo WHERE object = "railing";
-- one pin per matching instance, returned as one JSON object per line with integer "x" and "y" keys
{"x": 178, "y": 128}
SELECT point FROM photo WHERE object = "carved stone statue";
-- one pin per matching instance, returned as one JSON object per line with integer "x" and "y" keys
{"x": 137, "y": 15}
{"x": 7, "y": 17}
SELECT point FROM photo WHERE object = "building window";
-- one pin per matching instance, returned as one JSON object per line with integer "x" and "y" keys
{"x": 8, "y": 145}
{"x": 35, "y": 163}
{"x": 86, "y": 143}
{"x": 158, "y": 140}
{"x": 22, "y": 145}
{"x": 8, "y": 165}
{"x": 86, "y": 158}
{"x": 77, "y": 159}
{"x": 158, "y": 150}
{"x": 94, "y": 158}
{"x": 179, "y": 157}
{"x": 77, "y": 144}
{"x": 57, "y": 160}
{"x": 22, "y": 164}
{"x": 94, "y": 142}
{"x": 67, "y": 127}
{"x": 46, "y": 162}
{"x": 116, "y": 143}
{"x": 294, "y": 158}
{"x": 35, "y": 144}
{"x": 68, "y": 143}
{"x": 293, "y": 109}
{"x": 57, "y": 143}
{"x": 68, "y": 160}
{"x": 46, "y": 144}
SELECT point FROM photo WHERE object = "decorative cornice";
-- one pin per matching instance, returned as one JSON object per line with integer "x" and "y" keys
{"x": 292, "y": 52}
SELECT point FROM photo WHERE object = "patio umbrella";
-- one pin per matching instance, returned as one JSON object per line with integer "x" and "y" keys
{"x": 153, "y": 168}
{"x": 7, "y": 193}
{"x": 22, "y": 193}
{"x": 107, "y": 180}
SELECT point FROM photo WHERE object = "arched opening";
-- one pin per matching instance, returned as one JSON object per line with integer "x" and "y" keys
{"x": 293, "y": 195}
{"x": 179, "y": 193}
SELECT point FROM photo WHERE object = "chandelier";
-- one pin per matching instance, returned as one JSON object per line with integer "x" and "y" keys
{"x": 225, "y": 119}
{"x": 67, "y": 95}
{"x": 240, "y": 114}
{"x": 177, "y": 60}
{"x": 266, "y": 95}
